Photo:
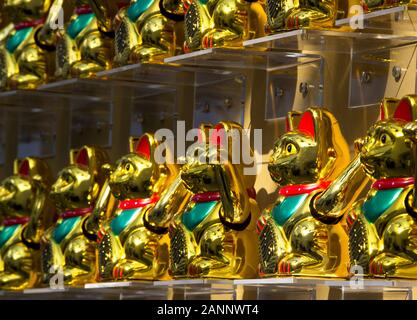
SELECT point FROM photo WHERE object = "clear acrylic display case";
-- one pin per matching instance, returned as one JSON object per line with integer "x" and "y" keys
{"x": 285, "y": 288}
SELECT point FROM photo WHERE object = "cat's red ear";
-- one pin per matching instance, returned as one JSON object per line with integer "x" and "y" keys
{"x": 218, "y": 136}
{"x": 307, "y": 124}
{"x": 381, "y": 111}
{"x": 24, "y": 168}
{"x": 82, "y": 157}
{"x": 404, "y": 111}
{"x": 143, "y": 148}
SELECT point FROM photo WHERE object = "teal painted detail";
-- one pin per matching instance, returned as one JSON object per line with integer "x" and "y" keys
{"x": 78, "y": 25}
{"x": 193, "y": 217}
{"x": 137, "y": 8}
{"x": 63, "y": 228}
{"x": 203, "y": 2}
{"x": 6, "y": 233}
{"x": 283, "y": 211}
{"x": 17, "y": 38}
{"x": 119, "y": 223}
{"x": 379, "y": 203}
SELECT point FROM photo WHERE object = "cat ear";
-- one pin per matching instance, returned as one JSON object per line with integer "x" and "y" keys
{"x": 203, "y": 132}
{"x": 387, "y": 108}
{"x": 404, "y": 109}
{"x": 292, "y": 120}
{"x": 307, "y": 125}
{"x": 24, "y": 168}
{"x": 218, "y": 135}
{"x": 82, "y": 157}
{"x": 143, "y": 147}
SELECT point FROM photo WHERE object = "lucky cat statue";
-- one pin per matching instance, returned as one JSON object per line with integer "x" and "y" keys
{"x": 148, "y": 31}
{"x": 304, "y": 162}
{"x": 382, "y": 226}
{"x": 24, "y": 62}
{"x": 85, "y": 45}
{"x": 69, "y": 245}
{"x": 132, "y": 247}
{"x": 26, "y": 212}
{"x": 215, "y": 235}
{"x": 217, "y": 23}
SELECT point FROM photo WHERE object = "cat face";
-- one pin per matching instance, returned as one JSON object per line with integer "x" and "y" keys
{"x": 74, "y": 188}
{"x": 199, "y": 176}
{"x": 132, "y": 178}
{"x": 16, "y": 196}
{"x": 294, "y": 159}
{"x": 385, "y": 152}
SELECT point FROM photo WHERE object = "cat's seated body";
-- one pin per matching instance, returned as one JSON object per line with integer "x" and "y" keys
{"x": 69, "y": 247}
{"x": 214, "y": 237}
{"x": 304, "y": 162}
{"x": 149, "y": 30}
{"x": 131, "y": 247}
{"x": 26, "y": 213}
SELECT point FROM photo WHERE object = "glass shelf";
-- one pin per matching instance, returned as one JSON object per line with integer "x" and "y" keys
{"x": 268, "y": 288}
{"x": 292, "y": 81}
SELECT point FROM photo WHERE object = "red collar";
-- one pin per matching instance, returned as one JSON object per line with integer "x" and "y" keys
{"x": 297, "y": 189}
{"x": 390, "y": 183}
{"x": 75, "y": 213}
{"x": 28, "y": 24}
{"x": 215, "y": 195}
{"x": 84, "y": 9}
{"x": 13, "y": 221}
{"x": 137, "y": 203}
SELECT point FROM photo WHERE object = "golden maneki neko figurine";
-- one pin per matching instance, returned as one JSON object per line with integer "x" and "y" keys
{"x": 24, "y": 62}
{"x": 133, "y": 246}
{"x": 26, "y": 213}
{"x": 284, "y": 15}
{"x": 85, "y": 45}
{"x": 149, "y": 31}
{"x": 215, "y": 235}
{"x": 382, "y": 226}
{"x": 217, "y": 23}
{"x": 305, "y": 161}
{"x": 69, "y": 246}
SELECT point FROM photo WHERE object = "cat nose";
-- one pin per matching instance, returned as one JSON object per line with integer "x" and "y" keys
{"x": 358, "y": 145}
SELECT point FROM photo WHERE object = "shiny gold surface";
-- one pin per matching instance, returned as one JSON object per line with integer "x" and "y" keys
{"x": 385, "y": 246}
{"x": 25, "y": 194}
{"x": 140, "y": 250}
{"x": 152, "y": 35}
{"x": 301, "y": 245}
{"x": 218, "y": 23}
{"x": 29, "y": 64}
{"x": 88, "y": 51}
{"x": 77, "y": 187}
{"x": 223, "y": 244}
{"x": 284, "y": 15}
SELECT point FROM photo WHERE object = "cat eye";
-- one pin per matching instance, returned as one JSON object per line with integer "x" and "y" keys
{"x": 290, "y": 148}
{"x": 128, "y": 167}
{"x": 384, "y": 138}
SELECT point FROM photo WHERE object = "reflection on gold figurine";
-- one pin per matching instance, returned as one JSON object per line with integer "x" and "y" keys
{"x": 149, "y": 30}
{"x": 24, "y": 62}
{"x": 69, "y": 246}
{"x": 132, "y": 245}
{"x": 217, "y": 23}
{"x": 304, "y": 162}
{"x": 26, "y": 212}
{"x": 215, "y": 236}
{"x": 382, "y": 227}
{"x": 84, "y": 46}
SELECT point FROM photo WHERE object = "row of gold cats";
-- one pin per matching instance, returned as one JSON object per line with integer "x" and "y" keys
{"x": 299, "y": 181}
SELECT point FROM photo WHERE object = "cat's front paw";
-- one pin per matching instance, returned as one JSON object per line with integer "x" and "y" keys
{"x": 290, "y": 265}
